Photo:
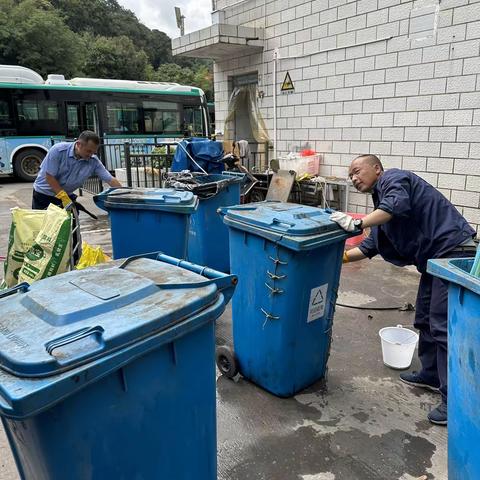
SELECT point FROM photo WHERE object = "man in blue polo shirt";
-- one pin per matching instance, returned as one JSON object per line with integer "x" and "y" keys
{"x": 65, "y": 169}
{"x": 412, "y": 222}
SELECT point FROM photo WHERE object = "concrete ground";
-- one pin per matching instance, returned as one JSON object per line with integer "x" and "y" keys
{"x": 363, "y": 424}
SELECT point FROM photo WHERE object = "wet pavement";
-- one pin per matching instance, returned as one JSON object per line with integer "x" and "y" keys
{"x": 359, "y": 424}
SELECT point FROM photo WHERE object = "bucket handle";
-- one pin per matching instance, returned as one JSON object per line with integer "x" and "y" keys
{"x": 408, "y": 338}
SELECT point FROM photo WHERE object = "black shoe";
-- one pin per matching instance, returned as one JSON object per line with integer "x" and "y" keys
{"x": 438, "y": 416}
{"x": 415, "y": 380}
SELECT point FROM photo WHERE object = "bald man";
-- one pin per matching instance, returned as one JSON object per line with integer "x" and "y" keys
{"x": 411, "y": 223}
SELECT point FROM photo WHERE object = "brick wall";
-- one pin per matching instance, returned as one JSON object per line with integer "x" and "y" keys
{"x": 414, "y": 101}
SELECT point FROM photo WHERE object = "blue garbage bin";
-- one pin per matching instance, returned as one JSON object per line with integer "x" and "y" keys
{"x": 463, "y": 362}
{"x": 288, "y": 259}
{"x": 109, "y": 372}
{"x": 145, "y": 220}
{"x": 208, "y": 241}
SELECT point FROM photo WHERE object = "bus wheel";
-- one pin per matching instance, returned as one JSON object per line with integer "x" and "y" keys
{"x": 26, "y": 164}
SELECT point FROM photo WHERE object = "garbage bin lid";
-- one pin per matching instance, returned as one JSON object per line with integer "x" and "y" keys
{"x": 166, "y": 199}
{"x": 71, "y": 319}
{"x": 290, "y": 218}
{"x": 296, "y": 226}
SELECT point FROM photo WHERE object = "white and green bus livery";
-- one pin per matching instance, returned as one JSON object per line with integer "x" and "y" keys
{"x": 35, "y": 114}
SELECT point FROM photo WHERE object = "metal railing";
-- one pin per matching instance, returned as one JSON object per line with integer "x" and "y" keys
{"x": 147, "y": 169}
{"x": 143, "y": 164}
{"x": 91, "y": 185}
{"x": 259, "y": 158}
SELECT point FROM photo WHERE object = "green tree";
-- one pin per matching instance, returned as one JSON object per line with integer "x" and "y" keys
{"x": 159, "y": 48}
{"x": 98, "y": 38}
{"x": 171, "y": 72}
{"x": 108, "y": 19}
{"x": 114, "y": 57}
{"x": 39, "y": 39}
{"x": 92, "y": 16}
{"x": 203, "y": 78}
{"x": 6, "y": 7}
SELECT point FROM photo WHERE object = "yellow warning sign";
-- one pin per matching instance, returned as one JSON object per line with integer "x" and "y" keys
{"x": 287, "y": 84}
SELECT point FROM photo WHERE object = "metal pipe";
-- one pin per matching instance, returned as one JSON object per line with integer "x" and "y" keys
{"x": 128, "y": 164}
{"x": 275, "y": 55}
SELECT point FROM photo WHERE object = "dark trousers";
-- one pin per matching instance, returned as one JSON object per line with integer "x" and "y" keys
{"x": 431, "y": 319}
{"x": 40, "y": 201}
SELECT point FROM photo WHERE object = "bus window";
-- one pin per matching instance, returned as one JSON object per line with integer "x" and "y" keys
{"x": 37, "y": 110}
{"x": 193, "y": 121}
{"x": 73, "y": 120}
{"x": 81, "y": 116}
{"x": 91, "y": 117}
{"x": 161, "y": 117}
{"x": 5, "y": 118}
{"x": 38, "y": 116}
{"x": 122, "y": 117}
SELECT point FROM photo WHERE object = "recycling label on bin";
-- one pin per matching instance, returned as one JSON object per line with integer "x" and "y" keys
{"x": 316, "y": 306}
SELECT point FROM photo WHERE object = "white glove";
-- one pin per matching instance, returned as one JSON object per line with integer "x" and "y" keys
{"x": 345, "y": 221}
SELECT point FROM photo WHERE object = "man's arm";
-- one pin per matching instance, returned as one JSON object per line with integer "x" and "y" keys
{"x": 106, "y": 176}
{"x": 377, "y": 217}
{"x": 53, "y": 182}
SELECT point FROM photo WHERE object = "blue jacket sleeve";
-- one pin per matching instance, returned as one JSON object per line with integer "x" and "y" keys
{"x": 395, "y": 198}
{"x": 368, "y": 247}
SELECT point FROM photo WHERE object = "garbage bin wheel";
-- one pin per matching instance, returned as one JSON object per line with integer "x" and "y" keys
{"x": 226, "y": 362}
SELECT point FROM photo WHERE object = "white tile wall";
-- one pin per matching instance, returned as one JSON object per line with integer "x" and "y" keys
{"x": 415, "y": 103}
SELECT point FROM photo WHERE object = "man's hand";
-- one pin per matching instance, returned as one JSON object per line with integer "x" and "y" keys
{"x": 345, "y": 221}
{"x": 63, "y": 196}
{"x": 115, "y": 183}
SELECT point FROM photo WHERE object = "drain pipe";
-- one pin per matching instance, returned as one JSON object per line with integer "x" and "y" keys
{"x": 275, "y": 57}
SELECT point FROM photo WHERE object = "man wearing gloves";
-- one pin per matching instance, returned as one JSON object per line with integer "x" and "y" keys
{"x": 65, "y": 169}
{"x": 411, "y": 223}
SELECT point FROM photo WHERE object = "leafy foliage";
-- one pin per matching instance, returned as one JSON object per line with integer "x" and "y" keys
{"x": 95, "y": 38}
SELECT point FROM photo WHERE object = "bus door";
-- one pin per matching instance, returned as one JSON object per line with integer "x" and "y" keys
{"x": 81, "y": 116}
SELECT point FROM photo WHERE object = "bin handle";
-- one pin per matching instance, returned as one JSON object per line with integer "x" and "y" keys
{"x": 224, "y": 210}
{"x": 222, "y": 280}
{"x": 170, "y": 198}
{"x": 282, "y": 224}
{"x": 73, "y": 337}
{"x": 21, "y": 287}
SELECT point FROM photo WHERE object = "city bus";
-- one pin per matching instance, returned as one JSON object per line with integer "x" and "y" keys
{"x": 35, "y": 114}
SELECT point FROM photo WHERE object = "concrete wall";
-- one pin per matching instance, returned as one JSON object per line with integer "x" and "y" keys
{"x": 413, "y": 99}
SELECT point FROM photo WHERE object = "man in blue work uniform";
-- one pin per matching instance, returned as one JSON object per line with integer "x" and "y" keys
{"x": 65, "y": 169}
{"x": 412, "y": 222}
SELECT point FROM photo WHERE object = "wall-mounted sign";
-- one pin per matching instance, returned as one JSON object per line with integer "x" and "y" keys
{"x": 287, "y": 85}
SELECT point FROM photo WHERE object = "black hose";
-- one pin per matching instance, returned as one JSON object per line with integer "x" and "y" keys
{"x": 407, "y": 307}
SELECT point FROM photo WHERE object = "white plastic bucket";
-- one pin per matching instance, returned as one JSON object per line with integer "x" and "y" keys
{"x": 398, "y": 346}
